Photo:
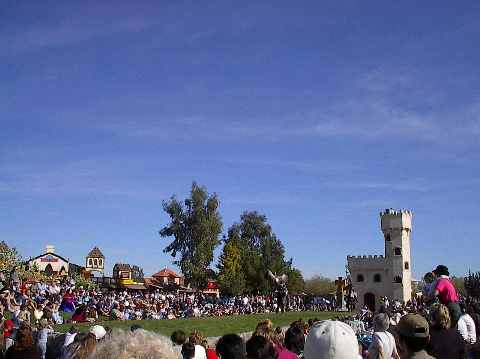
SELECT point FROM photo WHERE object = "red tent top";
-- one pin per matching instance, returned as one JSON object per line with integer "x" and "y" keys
{"x": 165, "y": 272}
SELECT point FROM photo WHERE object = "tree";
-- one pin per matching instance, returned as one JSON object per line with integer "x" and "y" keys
{"x": 260, "y": 251}
{"x": 459, "y": 284}
{"x": 471, "y": 285}
{"x": 319, "y": 285}
{"x": 196, "y": 226}
{"x": 231, "y": 278}
{"x": 296, "y": 283}
{"x": 9, "y": 258}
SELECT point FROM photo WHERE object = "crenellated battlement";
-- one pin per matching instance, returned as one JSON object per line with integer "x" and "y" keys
{"x": 369, "y": 261}
{"x": 395, "y": 212}
{"x": 374, "y": 276}
{"x": 392, "y": 219}
{"x": 366, "y": 257}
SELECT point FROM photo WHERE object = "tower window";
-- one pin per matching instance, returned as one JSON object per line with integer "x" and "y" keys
{"x": 407, "y": 266}
{"x": 360, "y": 278}
{"x": 100, "y": 262}
{"x": 377, "y": 278}
{"x": 387, "y": 238}
{"x": 397, "y": 279}
{"x": 90, "y": 262}
{"x": 95, "y": 261}
{"x": 397, "y": 251}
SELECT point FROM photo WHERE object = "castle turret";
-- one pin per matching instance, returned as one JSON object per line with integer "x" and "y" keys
{"x": 95, "y": 261}
{"x": 396, "y": 228}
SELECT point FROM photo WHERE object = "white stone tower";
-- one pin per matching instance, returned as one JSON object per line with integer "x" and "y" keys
{"x": 396, "y": 228}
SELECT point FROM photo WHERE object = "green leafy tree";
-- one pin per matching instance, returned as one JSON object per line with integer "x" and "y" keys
{"x": 459, "y": 284}
{"x": 85, "y": 283}
{"x": 230, "y": 277}
{"x": 260, "y": 251}
{"x": 9, "y": 257}
{"x": 248, "y": 267}
{"x": 296, "y": 283}
{"x": 196, "y": 226}
{"x": 471, "y": 284}
{"x": 319, "y": 285}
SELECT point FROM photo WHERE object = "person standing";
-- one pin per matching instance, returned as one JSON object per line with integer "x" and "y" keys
{"x": 445, "y": 342}
{"x": 383, "y": 344}
{"x": 467, "y": 329}
{"x": 42, "y": 337}
{"x": 446, "y": 293}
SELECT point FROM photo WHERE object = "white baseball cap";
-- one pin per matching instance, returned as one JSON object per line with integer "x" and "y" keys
{"x": 331, "y": 339}
{"x": 98, "y": 331}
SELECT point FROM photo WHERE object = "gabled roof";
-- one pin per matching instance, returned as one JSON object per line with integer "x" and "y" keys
{"x": 165, "y": 272}
{"x": 50, "y": 254}
{"x": 95, "y": 253}
{"x": 122, "y": 266}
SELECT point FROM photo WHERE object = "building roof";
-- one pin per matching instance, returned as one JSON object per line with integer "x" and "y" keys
{"x": 95, "y": 253}
{"x": 122, "y": 266}
{"x": 50, "y": 254}
{"x": 165, "y": 272}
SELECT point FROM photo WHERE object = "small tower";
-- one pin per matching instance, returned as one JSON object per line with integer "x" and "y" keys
{"x": 95, "y": 261}
{"x": 396, "y": 228}
{"x": 50, "y": 248}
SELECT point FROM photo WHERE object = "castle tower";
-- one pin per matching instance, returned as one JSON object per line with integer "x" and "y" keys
{"x": 95, "y": 261}
{"x": 397, "y": 228}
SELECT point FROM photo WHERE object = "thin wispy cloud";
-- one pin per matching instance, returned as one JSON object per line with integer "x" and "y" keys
{"x": 408, "y": 186}
{"x": 76, "y": 178}
{"x": 70, "y": 25}
{"x": 369, "y": 112}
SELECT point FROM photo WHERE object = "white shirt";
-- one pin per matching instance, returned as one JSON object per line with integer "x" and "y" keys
{"x": 200, "y": 352}
{"x": 69, "y": 338}
{"x": 466, "y": 327}
{"x": 383, "y": 342}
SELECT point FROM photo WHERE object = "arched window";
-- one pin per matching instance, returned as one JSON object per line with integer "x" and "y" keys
{"x": 49, "y": 270}
{"x": 407, "y": 266}
{"x": 377, "y": 278}
{"x": 387, "y": 237}
{"x": 95, "y": 261}
{"x": 100, "y": 262}
{"x": 360, "y": 278}
{"x": 397, "y": 251}
{"x": 397, "y": 279}
{"x": 90, "y": 262}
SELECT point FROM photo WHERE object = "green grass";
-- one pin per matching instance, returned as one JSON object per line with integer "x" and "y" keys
{"x": 209, "y": 326}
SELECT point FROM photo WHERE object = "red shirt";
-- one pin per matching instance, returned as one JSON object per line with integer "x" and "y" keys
{"x": 446, "y": 291}
{"x": 211, "y": 354}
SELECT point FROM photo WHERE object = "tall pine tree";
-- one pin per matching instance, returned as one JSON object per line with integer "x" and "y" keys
{"x": 196, "y": 226}
{"x": 230, "y": 277}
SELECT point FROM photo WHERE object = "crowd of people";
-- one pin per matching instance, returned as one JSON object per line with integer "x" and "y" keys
{"x": 34, "y": 302}
{"x": 438, "y": 324}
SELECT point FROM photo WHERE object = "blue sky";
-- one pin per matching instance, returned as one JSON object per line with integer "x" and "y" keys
{"x": 318, "y": 114}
